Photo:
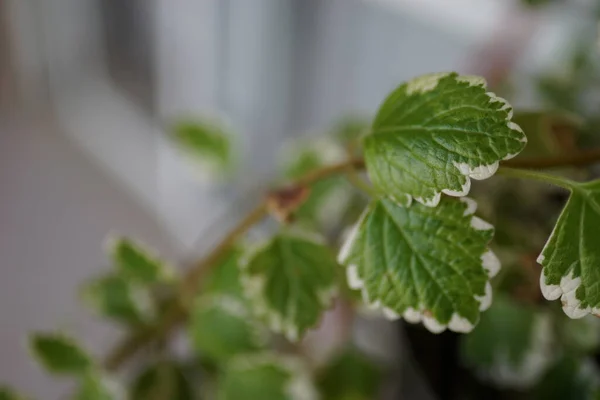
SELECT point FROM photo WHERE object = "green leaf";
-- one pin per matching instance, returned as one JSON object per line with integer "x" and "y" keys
{"x": 96, "y": 386}
{"x": 512, "y": 345}
{"x": 581, "y": 336}
{"x": 225, "y": 277}
{"x": 59, "y": 354}
{"x": 266, "y": 377}
{"x": 290, "y": 281}
{"x": 222, "y": 327}
{"x": 350, "y": 375}
{"x": 136, "y": 263}
{"x": 436, "y": 132}
{"x": 423, "y": 263}
{"x": 350, "y": 129}
{"x": 115, "y": 297}
{"x": 7, "y": 393}
{"x": 569, "y": 379}
{"x": 205, "y": 143}
{"x": 165, "y": 380}
{"x": 571, "y": 257}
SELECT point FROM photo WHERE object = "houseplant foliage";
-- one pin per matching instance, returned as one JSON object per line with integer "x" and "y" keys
{"x": 415, "y": 248}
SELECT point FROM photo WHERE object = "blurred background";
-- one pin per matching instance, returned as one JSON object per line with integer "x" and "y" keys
{"x": 88, "y": 89}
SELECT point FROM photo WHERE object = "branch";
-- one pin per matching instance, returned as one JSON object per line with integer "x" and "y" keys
{"x": 178, "y": 313}
{"x": 580, "y": 159}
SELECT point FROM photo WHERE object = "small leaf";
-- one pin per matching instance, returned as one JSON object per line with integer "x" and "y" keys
{"x": 350, "y": 129}
{"x": 571, "y": 257}
{"x": 266, "y": 377}
{"x": 290, "y": 282}
{"x": 206, "y": 143}
{"x": 329, "y": 197}
{"x": 7, "y": 393}
{"x": 512, "y": 345}
{"x": 225, "y": 277}
{"x": 436, "y": 132}
{"x": 350, "y": 375}
{"x": 59, "y": 354}
{"x": 423, "y": 263}
{"x": 165, "y": 380}
{"x": 97, "y": 386}
{"x": 136, "y": 263}
{"x": 115, "y": 297}
{"x": 222, "y": 327}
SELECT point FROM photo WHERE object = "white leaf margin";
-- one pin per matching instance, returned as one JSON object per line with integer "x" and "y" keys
{"x": 427, "y": 83}
{"x": 489, "y": 261}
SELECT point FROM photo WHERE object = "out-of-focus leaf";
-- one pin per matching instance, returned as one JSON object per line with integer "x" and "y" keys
{"x": 266, "y": 377}
{"x": 59, "y": 354}
{"x": 136, "y": 263}
{"x": 512, "y": 345}
{"x": 581, "y": 336}
{"x": 97, "y": 386}
{"x": 7, "y": 393}
{"x": 117, "y": 298}
{"x": 350, "y": 129}
{"x": 350, "y": 375}
{"x": 165, "y": 380}
{"x": 329, "y": 197}
{"x": 222, "y": 327}
{"x": 225, "y": 277}
{"x": 290, "y": 281}
{"x": 568, "y": 379}
{"x": 205, "y": 143}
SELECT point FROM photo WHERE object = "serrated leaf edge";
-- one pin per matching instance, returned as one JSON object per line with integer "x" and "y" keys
{"x": 489, "y": 261}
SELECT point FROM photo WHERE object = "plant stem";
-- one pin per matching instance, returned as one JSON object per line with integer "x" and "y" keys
{"x": 579, "y": 159}
{"x": 538, "y": 176}
{"x": 178, "y": 313}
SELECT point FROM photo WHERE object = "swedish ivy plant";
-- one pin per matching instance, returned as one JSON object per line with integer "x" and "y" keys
{"x": 401, "y": 235}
